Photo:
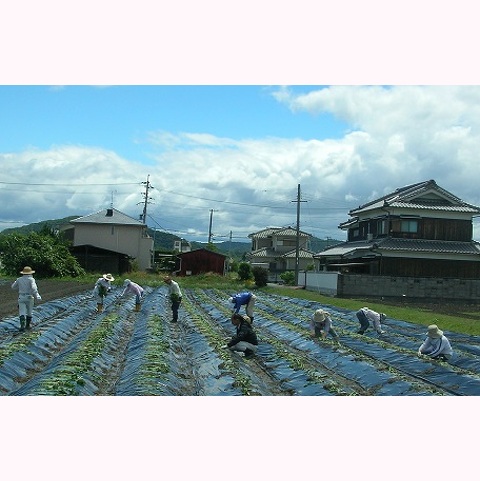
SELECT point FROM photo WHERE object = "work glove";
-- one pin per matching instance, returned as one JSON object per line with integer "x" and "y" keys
{"x": 225, "y": 346}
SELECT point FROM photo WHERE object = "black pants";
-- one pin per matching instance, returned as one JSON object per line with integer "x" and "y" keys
{"x": 175, "y": 306}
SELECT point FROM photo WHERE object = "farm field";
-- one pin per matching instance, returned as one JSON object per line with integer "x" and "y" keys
{"x": 72, "y": 350}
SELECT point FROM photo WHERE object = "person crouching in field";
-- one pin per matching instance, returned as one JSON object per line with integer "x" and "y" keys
{"x": 436, "y": 345}
{"x": 245, "y": 340}
{"x": 27, "y": 293}
{"x": 365, "y": 315}
{"x": 133, "y": 288}
{"x": 321, "y": 325}
{"x": 102, "y": 288}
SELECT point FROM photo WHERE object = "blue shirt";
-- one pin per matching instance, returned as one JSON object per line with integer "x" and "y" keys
{"x": 241, "y": 299}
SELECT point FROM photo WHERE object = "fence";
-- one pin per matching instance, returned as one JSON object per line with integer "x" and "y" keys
{"x": 353, "y": 285}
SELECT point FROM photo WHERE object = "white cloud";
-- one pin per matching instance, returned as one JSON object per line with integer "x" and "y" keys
{"x": 399, "y": 135}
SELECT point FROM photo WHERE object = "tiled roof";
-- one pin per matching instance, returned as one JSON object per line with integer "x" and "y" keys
{"x": 344, "y": 248}
{"x": 278, "y": 231}
{"x": 302, "y": 253}
{"x": 402, "y": 245}
{"x": 263, "y": 252}
{"x": 101, "y": 217}
{"x": 419, "y": 196}
{"x": 425, "y": 245}
{"x": 266, "y": 252}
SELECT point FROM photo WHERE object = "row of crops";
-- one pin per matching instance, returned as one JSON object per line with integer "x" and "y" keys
{"x": 72, "y": 350}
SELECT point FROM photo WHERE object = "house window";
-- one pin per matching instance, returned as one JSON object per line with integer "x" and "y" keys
{"x": 381, "y": 227}
{"x": 409, "y": 226}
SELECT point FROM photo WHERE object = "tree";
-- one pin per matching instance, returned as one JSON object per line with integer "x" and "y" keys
{"x": 46, "y": 252}
{"x": 244, "y": 271}
{"x": 260, "y": 275}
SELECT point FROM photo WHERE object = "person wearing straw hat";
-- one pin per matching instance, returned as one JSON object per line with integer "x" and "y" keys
{"x": 102, "y": 288}
{"x": 135, "y": 289}
{"x": 27, "y": 293}
{"x": 365, "y": 315}
{"x": 436, "y": 345}
{"x": 321, "y": 325}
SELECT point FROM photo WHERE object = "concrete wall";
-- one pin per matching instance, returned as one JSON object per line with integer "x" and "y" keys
{"x": 323, "y": 282}
{"x": 358, "y": 285}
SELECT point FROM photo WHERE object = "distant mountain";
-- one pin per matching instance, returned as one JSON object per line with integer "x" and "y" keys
{"x": 165, "y": 241}
{"x": 37, "y": 227}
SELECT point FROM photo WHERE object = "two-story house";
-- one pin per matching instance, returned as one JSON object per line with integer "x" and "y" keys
{"x": 420, "y": 230}
{"x": 107, "y": 238}
{"x": 275, "y": 248}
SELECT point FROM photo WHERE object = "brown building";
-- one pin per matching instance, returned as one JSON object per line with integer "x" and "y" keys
{"x": 201, "y": 261}
{"x": 420, "y": 230}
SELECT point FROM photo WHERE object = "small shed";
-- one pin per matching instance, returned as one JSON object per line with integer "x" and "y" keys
{"x": 201, "y": 261}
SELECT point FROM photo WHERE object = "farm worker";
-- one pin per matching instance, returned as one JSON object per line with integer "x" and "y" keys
{"x": 134, "y": 288}
{"x": 246, "y": 299}
{"x": 436, "y": 345}
{"x": 321, "y": 325}
{"x": 175, "y": 295}
{"x": 101, "y": 289}
{"x": 365, "y": 315}
{"x": 27, "y": 293}
{"x": 245, "y": 340}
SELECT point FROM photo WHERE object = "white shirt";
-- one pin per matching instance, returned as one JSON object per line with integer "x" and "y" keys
{"x": 26, "y": 285}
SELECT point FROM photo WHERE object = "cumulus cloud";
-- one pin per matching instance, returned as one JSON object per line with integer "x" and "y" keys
{"x": 396, "y": 136}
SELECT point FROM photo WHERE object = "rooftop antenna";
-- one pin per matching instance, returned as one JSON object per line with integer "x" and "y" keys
{"x": 113, "y": 195}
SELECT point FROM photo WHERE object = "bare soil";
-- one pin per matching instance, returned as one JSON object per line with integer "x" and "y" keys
{"x": 49, "y": 289}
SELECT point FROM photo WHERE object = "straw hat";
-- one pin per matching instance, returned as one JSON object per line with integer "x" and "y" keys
{"x": 108, "y": 277}
{"x": 319, "y": 315}
{"x": 27, "y": 270}
{"x": 434, "y": 332}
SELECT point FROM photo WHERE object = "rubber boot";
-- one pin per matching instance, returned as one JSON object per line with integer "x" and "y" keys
{"x": 137, "y": 307}
{"x": 29, "y": 321}
{"x": 99, "y": 307}
{"x": 22, "y": 323}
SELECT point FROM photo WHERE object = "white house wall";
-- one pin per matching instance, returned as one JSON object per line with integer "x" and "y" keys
{"x": 118, "y": 238}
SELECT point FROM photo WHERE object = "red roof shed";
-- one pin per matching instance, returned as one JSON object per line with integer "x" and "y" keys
{"x": 201, "y": 261}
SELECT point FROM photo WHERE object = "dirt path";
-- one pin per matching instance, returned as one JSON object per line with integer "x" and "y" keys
{"x": 50, "y": 289}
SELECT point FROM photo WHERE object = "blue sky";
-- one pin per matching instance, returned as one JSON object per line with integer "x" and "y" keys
{"x": 237, "y": 150}
{"x": 230, "y": 113}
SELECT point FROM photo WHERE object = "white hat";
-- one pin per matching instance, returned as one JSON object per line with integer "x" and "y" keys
{"x": 319, "y": 315}
{"x": 434, "y": 332}
{"x": 230, "y": 299}
{"x": 108, "y": 277}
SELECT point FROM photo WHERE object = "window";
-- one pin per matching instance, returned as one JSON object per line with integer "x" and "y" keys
{"x": 381, "y": 227}
{"x": 409, "y": 226}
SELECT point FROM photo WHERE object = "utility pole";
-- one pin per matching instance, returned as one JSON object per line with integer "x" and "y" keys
{"x": 297, "y": 243}
{"x": 210, "y": 227}
{"x": 148, "y": 186}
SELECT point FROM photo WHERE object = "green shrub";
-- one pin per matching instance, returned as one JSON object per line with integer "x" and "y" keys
{"x": 288, "y": 277}
{"x": 260, "y": 275}
{"x": 244, "y": 271}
